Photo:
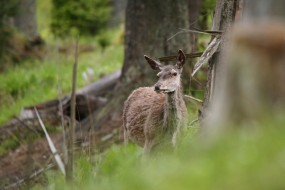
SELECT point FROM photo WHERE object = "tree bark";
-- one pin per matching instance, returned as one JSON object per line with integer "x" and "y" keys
{"x": 149, "y": 24}
{"x": 250, "y": 89}
{"x": 225, "y": 12}
{"x": 25, "y": 19}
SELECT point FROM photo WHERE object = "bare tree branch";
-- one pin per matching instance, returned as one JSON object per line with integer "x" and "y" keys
{"x": 51, "y": 145}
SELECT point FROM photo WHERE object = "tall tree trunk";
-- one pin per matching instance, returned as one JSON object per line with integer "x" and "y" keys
{"x": 149, "y": 23}
{"x": 25, "y": 19}
{"x": 250, "y": 90}
{"x": 224, "y": 16}
{"x": 148, "y": 26}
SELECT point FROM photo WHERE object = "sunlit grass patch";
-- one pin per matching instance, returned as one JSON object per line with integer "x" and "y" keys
{"x": 36, "y": 81}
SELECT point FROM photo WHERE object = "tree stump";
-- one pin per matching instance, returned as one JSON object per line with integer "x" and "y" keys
{"x": 253, "y": 76}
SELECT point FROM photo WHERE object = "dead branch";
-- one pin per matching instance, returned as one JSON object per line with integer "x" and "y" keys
{"x": 193, "y": 98}
{"x": 51, "y": 145}
{"x": 22, "y": 181}
{"x": 210, "y": 32}
{"x": 71, "y": 131}
{"x": 173, "y": 57}
{"x": 208, "y": 53}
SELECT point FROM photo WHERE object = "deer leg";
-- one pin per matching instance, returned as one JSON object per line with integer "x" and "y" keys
{"x": 148, "y": 146}
{"x": 176, "y": 135}
{"x": 126, "y": 136}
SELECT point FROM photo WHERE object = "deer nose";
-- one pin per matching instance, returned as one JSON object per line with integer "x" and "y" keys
{"x": 157, "y": 87}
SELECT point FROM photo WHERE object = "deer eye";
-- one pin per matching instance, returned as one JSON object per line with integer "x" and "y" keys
{"x": 174, "y": 74}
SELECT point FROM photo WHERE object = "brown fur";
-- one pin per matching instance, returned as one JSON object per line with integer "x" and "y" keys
{"x": 156, "y": 115}
{"x": 147, "y": 117}
{"x": 137, "y": 109}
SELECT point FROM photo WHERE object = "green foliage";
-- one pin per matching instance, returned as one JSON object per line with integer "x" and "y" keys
{"x": 7, "y": 9}
{"x": 243, "y": 158}
{"x": 83, "y": 17}
{"x": 209, "y": 5}
{"x": 36, "y": 81}
{"x": 206, "y": 14}
{"x": 103, "y": 41}
{"x": 44, "y": 19}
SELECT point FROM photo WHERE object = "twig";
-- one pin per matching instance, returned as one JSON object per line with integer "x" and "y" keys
{"x": 21, "y": 181}
{"x": 192, "y": 98}
{"x": 208, "y": 53}
{"x": 195, "y": 30}
{"x": 71, "y": 138}
{"x": 51, "y": 144}
{"x": 194, "y": 121}
{"x": 180, "y": 32}
{"x": 173, "y": 57}
{"x": 60, "y": 106}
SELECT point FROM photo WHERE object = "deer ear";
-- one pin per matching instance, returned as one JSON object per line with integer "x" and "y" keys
{"x": 180, "y": 59}
{"x": 155, "y": 65}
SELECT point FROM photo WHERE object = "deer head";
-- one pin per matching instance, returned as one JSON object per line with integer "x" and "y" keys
{"x": 168, "y": 75}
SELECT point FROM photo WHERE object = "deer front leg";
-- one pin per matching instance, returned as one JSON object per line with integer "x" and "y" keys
{"x": 149, "y": 133}
{"x": 126, "y": 136}
{"x": 149, "y": 143}
{"x": 176, "y": 134}
{"x": 147, "y": 148}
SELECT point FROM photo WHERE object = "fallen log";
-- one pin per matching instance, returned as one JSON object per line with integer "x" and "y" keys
{"x": 101, "y": 87}
{"x": 88, "y": 99}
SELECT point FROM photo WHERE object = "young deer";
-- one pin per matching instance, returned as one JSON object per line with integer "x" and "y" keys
{"x": 156, "y": 115}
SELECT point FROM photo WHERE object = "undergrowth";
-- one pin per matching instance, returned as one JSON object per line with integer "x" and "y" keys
{"x": 241, "y": 158}
{"x": 36, "y": 81}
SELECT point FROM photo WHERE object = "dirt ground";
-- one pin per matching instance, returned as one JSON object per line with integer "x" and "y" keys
{"x": 28, "y": 158}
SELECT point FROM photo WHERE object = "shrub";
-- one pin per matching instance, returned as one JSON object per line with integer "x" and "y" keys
{"x": 84, "y": 17}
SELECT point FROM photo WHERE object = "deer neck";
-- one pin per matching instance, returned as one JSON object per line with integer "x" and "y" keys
{"x": 172, "y": 110}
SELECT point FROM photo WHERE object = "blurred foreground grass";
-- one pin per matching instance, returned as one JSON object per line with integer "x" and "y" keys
{"x": 242, "y": 158}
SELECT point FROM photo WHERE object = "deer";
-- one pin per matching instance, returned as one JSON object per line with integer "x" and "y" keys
{"x": 156, "y": 116}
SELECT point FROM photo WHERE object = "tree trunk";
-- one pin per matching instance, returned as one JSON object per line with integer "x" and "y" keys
{"x": 250, "y": 89}
{"x": 25, "y": 19}
{"x": 224, "y": 16}
{"x": 149, "y": 24}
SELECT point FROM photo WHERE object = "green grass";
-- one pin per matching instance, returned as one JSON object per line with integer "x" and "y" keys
{"x": 33, "y": 82}
{"x": 242, "y": 158}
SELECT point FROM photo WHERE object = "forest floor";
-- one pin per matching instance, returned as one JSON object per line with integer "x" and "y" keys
{"x": 37, "y": 80}
{"x": 19, "y": 165}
